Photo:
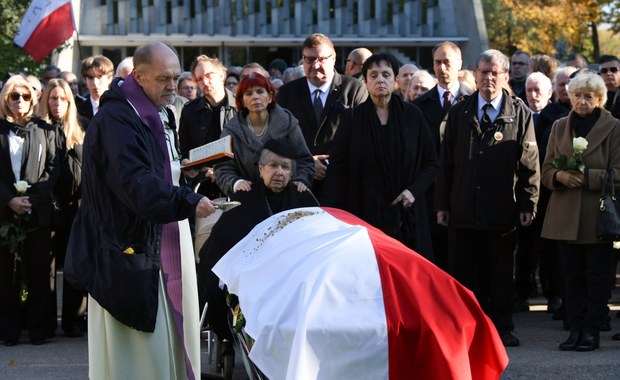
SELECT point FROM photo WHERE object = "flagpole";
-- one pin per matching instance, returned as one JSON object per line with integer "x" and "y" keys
{"x": 77, "y": 33}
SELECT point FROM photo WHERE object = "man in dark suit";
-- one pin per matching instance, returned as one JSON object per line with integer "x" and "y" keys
{"x": 98, "y": 72}
{"x": 355, "y": 60}
{"x": 519, "y": 66}
{"x": 319, "y": 100}
{"x": 615, "y": 107}
{"x": 447, "y": 62}
{"x": 531, "y": 248}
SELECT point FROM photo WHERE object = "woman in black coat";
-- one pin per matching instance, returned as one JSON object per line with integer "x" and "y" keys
{"x": 27, "y": 153}
{"x": 58, "y": 108}
{"x": 384, "y": 160}
{"x": 272, "y": 194}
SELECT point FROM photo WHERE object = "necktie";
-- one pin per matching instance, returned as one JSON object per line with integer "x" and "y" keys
{"x": 446, "y": 101}
{"x": 318, "y": 105}
{"x": 485, "y": 122}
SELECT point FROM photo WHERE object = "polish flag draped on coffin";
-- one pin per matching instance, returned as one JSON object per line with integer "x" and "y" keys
{"x": 46, "y": 25}
{"x": 326, "y": 296}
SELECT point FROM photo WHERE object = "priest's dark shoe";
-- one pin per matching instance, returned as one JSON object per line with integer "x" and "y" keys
{"x": 74, "y": 332}
{"x": 616, "y": 336}
{"x": 572, "y": 341}
{"x": 509, "y": 340}
{"x": 589, "y": 342}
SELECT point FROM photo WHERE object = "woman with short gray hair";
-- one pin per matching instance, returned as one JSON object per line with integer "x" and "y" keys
{"x": 590, "y": 135}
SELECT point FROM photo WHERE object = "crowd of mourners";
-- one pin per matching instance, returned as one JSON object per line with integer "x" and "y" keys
{"x": 468, "y": 167}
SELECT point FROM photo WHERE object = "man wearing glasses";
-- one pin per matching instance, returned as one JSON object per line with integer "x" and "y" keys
{"x": 201, "y": 122}
{"x": 519, "y": 65}
{"x": 488, "y": 184}
{"x": 319, "y": 100}
{"x": 202, "y": 119}
{"x": 609, "y": 70}
{"x": 355, "y": 60}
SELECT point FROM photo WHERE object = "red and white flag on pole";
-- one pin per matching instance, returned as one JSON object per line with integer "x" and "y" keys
{"x": 46, "y": 25}
{"x": 327, "y": 296}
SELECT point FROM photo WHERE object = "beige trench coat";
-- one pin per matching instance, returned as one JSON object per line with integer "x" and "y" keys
{"x": 571, "y": 213}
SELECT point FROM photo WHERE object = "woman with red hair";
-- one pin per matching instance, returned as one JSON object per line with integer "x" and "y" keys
{"x": 259, "y": 119}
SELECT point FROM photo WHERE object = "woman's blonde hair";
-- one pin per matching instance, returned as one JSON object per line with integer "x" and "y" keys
{"x": 589, "y": 81}
{"x": 69, "y": 121}
{"x": 16, "y": 81}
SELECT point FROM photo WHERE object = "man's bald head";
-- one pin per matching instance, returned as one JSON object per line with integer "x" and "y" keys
{"x": 355, "y": 60}
{"x": 157, "y": 69}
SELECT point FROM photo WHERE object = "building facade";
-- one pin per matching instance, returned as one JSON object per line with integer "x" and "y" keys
{"x": 241, "y": 31}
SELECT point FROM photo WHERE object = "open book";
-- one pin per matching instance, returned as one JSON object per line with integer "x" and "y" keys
{"x": 209, "y": 154}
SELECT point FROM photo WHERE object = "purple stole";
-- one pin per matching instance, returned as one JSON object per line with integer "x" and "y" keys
{"x": 170, "y": 248}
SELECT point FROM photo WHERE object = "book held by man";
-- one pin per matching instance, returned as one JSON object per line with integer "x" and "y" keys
{"x": 210, "y": 153}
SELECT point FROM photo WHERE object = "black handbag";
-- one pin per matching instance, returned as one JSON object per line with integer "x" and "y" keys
{"x": 608, "y": 221}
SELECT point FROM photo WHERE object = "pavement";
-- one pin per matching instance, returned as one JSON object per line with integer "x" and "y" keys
{"x": 538, "y": 356}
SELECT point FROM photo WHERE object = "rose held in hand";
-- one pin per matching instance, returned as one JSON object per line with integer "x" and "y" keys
{"x": 13, "y": 236}
{"x": 21, "y": 187}
{"x": 580, "y": 145}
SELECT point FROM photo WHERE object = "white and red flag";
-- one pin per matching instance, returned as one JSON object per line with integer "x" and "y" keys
{"x": 46, "y": 25}
{"x": 327, "y": 296}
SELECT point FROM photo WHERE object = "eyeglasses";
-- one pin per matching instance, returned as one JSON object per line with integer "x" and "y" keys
{"x": 229, "y": 84}
{"x": 320, "y": 60}
{"x": 16, "y": 95}
{"x": 494, "y": 74}
{"x": 605, "y": 70}
{"x": 187, "y": 88}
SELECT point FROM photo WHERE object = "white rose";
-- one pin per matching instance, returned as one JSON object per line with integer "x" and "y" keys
{"x": 22, "y": 187}
{"x": 580, "y": 145}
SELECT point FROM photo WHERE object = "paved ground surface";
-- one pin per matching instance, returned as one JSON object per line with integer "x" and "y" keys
{"x": 536, "y": 358}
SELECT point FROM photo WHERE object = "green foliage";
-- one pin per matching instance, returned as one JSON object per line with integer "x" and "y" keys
{"x": 12, "y": 57}
{"x": 14, "y": 234}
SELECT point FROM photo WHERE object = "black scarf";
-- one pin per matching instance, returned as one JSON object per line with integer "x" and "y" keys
{"x": 387, "y": 151}
{"x": 582, "y": 125}
{"x": 30, "y": 150}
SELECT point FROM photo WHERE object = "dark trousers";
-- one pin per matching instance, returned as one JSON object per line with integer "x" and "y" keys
{"x": 551, "y": 278}
{"x": 34, "y": 314}
{"x": 72, "y": 297}
{"x": 209, "y": 292}
{"x": 586, "y": 275}
{"x": 526, "y": 259}
{"x": 440, "y": 236}
{"x": 484, "y": 264}
{"x": 533, "y": 250}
